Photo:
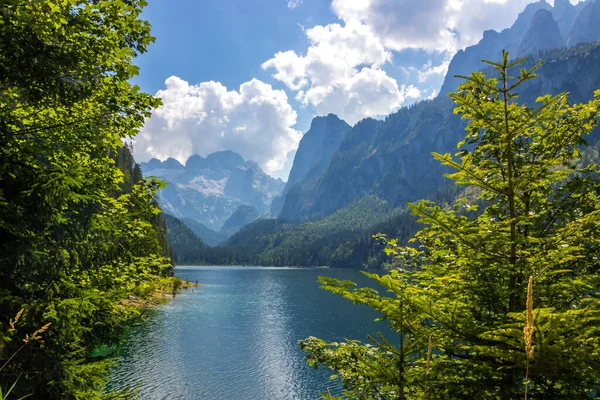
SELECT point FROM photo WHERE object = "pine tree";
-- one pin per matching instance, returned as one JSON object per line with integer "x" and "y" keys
{"x": 459, "y": 302}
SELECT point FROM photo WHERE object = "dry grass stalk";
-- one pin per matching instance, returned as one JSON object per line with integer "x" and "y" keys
{"x": 13, "y": 322}
{"x": 528, "y": 333}
{"x": 36, "y": 334}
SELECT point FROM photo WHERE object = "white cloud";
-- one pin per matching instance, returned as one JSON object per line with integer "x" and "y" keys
{"x": 442, "y": 25}
{"x": 341, "y": 72}
{"x": 294, "y": 3}
{"x": 255, "y": 122}
{"x": 411, "y": 92}
{"x": 333, "y": 55}
{"x": 432, "y": 95}
{"x": 291, "y": 69}
{"x": 369, "y": 93}
{"x": 429, "y": 70}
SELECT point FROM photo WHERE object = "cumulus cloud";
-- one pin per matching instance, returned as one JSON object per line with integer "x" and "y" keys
{"x": 429, "y": 70}
{"x": 333, "y": 55}
{"x": 255, "y": 121}
{"x": 294, "y": 3}
{"x": 369, "y": 93}
{"x": 341, "y": 72}
{"x": 291, "y": 69}
{"x": 343, "y": 68}
{"x": 441, "y": 25}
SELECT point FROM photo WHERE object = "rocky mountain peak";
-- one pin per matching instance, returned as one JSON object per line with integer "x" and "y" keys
{"x": 586, "y": 28}
{"x": 543, "y": 34}
{"x": 577, "y": 23}
{"x": 171, "y": 163}
{"x": 562, "y": 6}
{"x": 317, "y": 146}
{"x": 210, "y": 189}
{"x": 524, "y": 19}
{"x": 196, "y": 162}
{"x": 154, "y": 163}
{"x": 224, "y": 159}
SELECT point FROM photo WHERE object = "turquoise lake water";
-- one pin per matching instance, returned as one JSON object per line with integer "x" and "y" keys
{"x": 236, "y": 336}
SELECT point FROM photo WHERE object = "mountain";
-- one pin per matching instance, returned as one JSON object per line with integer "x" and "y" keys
{"x": 528, "y": 36}
{"x": 391, "y": 159}
{"x": 543, "y": 34}
{"x": 564, "y": 14}
{"x": 380, "y": 162}
{"x": 209, "y": 190}
{"x": 317, "y": 147}
{"x": 314, "y": 153}
{"x": 185, "y": 245}
{"x": 468, "y": 60}
{"x": 240, "y": 218}
{"x": 586, "y": 28}
{"x": 204, "y": 233}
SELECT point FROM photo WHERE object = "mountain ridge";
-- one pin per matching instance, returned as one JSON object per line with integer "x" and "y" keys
{"x": 511, "y": 39}
{"x": 391, "y": 158}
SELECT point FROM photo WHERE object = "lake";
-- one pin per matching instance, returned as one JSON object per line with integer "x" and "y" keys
{"x": 236, "y": 336}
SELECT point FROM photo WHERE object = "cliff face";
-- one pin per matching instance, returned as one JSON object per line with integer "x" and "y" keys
{"x": 543, "y": 34}
{"x": 314, "y": 154}
{"x": 317, "y": 147}
{"x": 391, "y": 158}
{"x": 492, "y": 44}
{"x": 387, "y": 158}
{"x": 586, "y": 27}
{"x": 564, "y": 14}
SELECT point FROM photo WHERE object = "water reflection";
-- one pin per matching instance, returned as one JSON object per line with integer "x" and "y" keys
{"x": 236, "y": 336}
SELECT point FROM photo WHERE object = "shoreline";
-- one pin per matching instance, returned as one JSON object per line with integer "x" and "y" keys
{"x": 182, "y": 268}
{"x": 166, "y": 289}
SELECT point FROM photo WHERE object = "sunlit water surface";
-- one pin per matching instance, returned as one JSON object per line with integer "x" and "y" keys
{"x": 236, "y": 336}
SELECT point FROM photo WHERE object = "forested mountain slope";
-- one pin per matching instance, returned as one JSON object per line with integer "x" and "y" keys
{"x": 391, "y": 158}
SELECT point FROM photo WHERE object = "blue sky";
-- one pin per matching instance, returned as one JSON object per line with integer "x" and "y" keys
{"x": 249, "y": 75}
{"x": 222, "y": 40}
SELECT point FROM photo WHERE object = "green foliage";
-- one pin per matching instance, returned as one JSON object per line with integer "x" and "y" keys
{"x": 79, "y": 228}
{"x": 177, "y": 283}
{"x": 459, "y": 300}
{"x": 187, "y": 247}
